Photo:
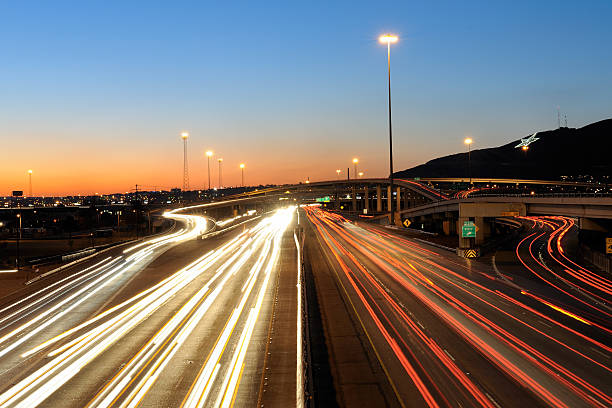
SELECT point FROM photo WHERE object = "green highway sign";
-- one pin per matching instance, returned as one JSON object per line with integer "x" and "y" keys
{"x": 325, "y": 199}
{"x": 468, "y": 230}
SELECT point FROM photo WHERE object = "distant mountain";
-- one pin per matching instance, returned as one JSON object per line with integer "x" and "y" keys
{"x": 586, "y": 151}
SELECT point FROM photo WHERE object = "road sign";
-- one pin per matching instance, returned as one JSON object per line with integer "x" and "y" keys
{"x": 407, "y": 223}
{"x": 608, "y": 245}
{"x": 468, "y": 230}
{"x": 471, "y": 253}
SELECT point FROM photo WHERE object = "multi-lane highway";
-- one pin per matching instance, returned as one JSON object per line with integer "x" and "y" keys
{"x": 448, "y": 332}
{"x": 180, "y": 321}
{"x": 171, "y": 321}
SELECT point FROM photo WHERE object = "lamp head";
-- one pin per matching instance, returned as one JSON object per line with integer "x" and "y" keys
{"x": 184, "y": 135}
{"x": 468, "y": 141}
{"x": 388, "y": 39}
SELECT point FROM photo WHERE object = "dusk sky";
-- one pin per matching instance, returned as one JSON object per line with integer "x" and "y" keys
{"x": 93, "y": 95}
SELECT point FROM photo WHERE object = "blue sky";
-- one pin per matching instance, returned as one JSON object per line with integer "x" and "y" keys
{"x": 295, "y": 89}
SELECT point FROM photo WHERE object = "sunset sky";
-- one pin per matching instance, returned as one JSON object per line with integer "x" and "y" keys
{"x": 94, "y": 94}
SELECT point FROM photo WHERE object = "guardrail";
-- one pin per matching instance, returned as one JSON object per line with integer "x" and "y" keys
{"x": 546, "y": 195}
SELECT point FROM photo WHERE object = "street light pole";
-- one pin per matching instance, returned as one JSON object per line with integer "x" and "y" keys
{"x": 208, "y": 156}
{"x": 355, "y": 161}
{"x": 220, "y": 160}
{"x": 18, "y": 240}
{"x": 30, "y": 183}
{"x": 242, "y": 173}
{"x": 468, "y": 141}
{"x": 388, "y": 39}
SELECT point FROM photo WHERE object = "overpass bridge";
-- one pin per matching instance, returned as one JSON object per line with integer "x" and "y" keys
{"x": 420, "y": 203}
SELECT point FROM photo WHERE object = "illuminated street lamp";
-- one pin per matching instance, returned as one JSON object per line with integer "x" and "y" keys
{"x": 220, "y": 160}
{"x": 242, "y": 171}
{"x": 209, "y": 154}
{"x": 389, "y": 39}
{"x": 360, "y": 174}
{"x": 30, "y": 183}
{"x": 338, "y": 173}
{"x": 525, "y": 148}
{"x": 355, "y": 161}
{"x": 468, "y": 141}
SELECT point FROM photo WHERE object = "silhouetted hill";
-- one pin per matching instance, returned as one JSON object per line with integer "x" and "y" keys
{"x": 556, "y": 153}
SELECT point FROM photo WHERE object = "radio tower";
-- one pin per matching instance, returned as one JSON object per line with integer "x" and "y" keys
{"x": 184, "y": 136}
{"x": 558, "y": 118}
{"x": 565, "y": 120}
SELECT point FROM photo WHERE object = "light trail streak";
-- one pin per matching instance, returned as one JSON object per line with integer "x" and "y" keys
{"x": 382, "y": 258}
{"x": 201, "y": 388}
{"x": 133, "y": 381}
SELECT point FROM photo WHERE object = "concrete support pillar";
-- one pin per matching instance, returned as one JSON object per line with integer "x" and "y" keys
{"x": 337, "y": 199}
{"x": 354, "y": 198}
{"x": 366, "y": 199}
{"x": 483, "y": 230}
{"x": 379, "y": 198}
{"x": 389, "y": 198}
{"x": 398, "y": 199}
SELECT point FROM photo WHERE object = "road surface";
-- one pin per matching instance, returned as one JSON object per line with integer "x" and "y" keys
{"x": 443, "y": 331}
{"x": 172, "y": 321}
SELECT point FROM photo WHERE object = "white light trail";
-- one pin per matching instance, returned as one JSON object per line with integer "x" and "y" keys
{"x": 94, "y": 336}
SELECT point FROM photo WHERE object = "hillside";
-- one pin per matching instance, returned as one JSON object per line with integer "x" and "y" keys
{"x": 556, "y": 153}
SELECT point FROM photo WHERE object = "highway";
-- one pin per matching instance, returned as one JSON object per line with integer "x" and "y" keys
{"x": 171, "y": 321}
{"x": 445, "y": 331}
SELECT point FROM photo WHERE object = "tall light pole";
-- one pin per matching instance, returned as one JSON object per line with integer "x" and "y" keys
{"x": 220, "y": 160}
{"x": 355, "y": 161}
{"x": 338, "y": 173}
{"x": 18, "y": 241}
{"x": 389, "y": 39}
{"x": 468, "y": 141}
{"x": 185, "y": 136}
{"x": 209, "y": 154}
{"x": 30, "y": 183}
{"x": 242, "y": 172}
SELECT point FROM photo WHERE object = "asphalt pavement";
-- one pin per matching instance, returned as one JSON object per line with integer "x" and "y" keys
{"x": 174, "y": 321}
{"x": 445, "y": 331}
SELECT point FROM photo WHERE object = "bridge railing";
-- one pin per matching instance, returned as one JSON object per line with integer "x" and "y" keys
{"x": 543, "y": 195}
